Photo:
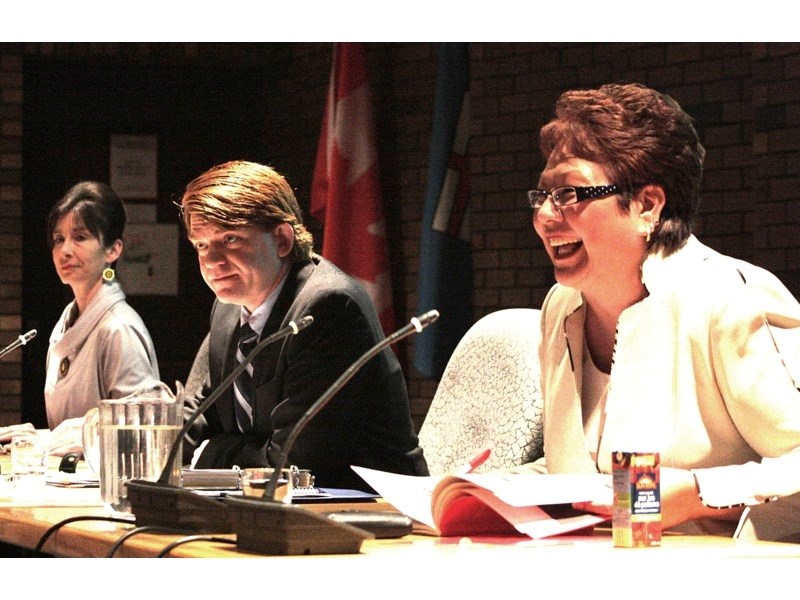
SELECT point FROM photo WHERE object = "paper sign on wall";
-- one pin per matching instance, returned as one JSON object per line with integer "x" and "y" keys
{"x": 134, "y": 166}
{"x": 149, "y": 262}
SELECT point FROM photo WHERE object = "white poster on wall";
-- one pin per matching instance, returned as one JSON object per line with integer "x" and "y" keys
{"x": 134, "y": 166}
{"x": 149, "y": 263}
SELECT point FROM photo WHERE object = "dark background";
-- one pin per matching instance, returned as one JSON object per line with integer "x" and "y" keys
{"x": 212, "y": 102}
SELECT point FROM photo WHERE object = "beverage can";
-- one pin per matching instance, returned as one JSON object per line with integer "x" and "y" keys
{"x": 636, "y": 517}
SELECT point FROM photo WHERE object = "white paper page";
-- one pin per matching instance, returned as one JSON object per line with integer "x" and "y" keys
{"x": 539, "y": 489}
{"x": 536, "y": 522}
{"x": 412, "y": 495}
{"x": 48, "y": 495}
{"x": 409, "y": 494}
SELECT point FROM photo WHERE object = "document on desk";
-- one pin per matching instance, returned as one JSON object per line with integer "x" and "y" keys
{"x": 495, "y": 503}
{"x": 74, "y": 494}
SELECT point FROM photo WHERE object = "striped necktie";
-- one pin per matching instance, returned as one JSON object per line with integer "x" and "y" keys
{"x": 243, "y": 385}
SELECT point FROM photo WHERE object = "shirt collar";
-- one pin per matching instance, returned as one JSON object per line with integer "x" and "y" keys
{"x": 258, "y": 318}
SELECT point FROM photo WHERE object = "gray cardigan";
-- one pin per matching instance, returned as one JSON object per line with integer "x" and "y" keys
{"x": 107, "y": 353}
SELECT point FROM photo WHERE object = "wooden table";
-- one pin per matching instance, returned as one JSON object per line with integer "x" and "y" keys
{"x": 465, "y": 566}
{"x": 412, "y": 565}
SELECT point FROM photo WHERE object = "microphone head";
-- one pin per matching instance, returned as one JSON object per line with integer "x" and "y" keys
{"x": 429, "y": 317}
{"x": 304, "y": 322}
{"x": 29, "y": 336}
{"x": 422, "y": 321}
{"x": 296, "y": 326}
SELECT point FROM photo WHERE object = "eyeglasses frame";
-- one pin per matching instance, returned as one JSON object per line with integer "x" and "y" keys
{"x": 582, "y": 193}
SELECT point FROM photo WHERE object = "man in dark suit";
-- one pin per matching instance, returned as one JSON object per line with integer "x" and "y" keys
{"x": 256, "y": 255}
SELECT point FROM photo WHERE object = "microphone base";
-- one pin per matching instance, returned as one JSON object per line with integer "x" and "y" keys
{"x": 162, "y": 505}
{"x": 272, "y": 528}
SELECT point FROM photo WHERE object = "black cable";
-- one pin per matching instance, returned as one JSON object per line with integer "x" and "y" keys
{"x": 59, "y": 525}
{"x": 193, "y": 538}
{"x": 137, "y": 530}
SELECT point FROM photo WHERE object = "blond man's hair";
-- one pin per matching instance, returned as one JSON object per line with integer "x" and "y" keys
{"x": 240, "y": 193}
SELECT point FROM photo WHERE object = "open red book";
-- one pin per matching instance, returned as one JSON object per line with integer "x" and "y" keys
{"x": 493, "y": 504}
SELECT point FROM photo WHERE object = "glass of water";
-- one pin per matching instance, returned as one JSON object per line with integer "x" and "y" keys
{"x": 28, "y": 463}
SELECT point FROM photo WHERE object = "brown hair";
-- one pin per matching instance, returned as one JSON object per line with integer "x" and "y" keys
{"x": 641, "y": 137}
{"x": 240, "y": 193}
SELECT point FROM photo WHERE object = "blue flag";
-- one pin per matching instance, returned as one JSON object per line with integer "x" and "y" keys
{"x": 445, "y": 271}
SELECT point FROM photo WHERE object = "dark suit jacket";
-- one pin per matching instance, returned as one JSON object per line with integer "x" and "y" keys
{"x": 368, "y": 423}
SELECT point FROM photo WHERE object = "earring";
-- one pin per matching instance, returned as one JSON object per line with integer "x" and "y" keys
{"x": 651, "y": 227}
{"x": 108, "y": 275}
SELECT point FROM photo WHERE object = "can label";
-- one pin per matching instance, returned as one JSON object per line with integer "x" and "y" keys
{"x": 636, "y": 518}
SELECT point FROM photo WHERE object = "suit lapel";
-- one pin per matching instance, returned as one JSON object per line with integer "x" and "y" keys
{"x": 222, "y": 354}
{"x": 282, "y": 313}
{"x": 268, "y": 391}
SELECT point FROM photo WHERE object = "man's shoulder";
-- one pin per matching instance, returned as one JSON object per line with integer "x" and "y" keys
{"x": 329, "y": 287}
{"x": 325, "y": 275}
{"x": 322, "y": 266}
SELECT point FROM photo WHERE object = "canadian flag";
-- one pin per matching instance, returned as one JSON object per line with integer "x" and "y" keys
{"x": 345, "y": 191}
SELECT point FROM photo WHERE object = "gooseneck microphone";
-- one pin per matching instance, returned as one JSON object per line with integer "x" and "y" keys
{"x": 265, "y": 526}
{"x": 160, "y": 504}
{"x": 293, "y": 328}
{"x": 416, "y": 325}
{"x": 20, "y": 341}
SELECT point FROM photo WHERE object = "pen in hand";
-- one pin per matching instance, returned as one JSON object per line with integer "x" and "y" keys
{"x": 474, "y": 463}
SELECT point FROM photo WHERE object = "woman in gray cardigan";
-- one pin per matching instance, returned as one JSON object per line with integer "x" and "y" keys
{"x": 100, "y": 348}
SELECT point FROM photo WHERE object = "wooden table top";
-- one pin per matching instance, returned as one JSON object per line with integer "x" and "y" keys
{"x": 467, "y": 566}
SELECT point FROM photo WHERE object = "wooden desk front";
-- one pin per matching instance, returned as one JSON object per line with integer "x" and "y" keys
{"x": 410, "y": 566}
{"x": 419, "y": 565}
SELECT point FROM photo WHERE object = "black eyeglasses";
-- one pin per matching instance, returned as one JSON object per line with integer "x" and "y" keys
{"x": 564, "y": 196}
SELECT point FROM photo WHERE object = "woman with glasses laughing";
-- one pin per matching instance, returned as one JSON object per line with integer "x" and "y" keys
{"x": 653, "y": 341}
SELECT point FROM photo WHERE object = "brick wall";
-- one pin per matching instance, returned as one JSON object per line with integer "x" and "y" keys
{"x": 745, "y": 98}
{"x": 10, "y": 231}
{"x": 775, "y": 210}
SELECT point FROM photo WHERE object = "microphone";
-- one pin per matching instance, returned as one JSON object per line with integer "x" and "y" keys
{"x": 291, "y": 329}
{"x": 20, "y": 341}
{"x": 269, "y": 527}
{"x": 159, "y": 503}
{"x": 416, "y": 325}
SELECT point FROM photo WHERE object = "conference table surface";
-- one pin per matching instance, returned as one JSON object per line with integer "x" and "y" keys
{"x": 467, "y": 566}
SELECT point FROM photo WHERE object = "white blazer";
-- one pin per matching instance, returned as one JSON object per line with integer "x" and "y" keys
{"x": 706, "y": 371}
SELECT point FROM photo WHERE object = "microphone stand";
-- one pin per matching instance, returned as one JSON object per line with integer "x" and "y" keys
{"x": 265, "y": 526}
{"x": 416, "y": 325}
{"x": 158, "y": 503}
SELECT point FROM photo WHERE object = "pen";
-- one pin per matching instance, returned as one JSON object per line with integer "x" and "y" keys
{"x": 474, "y": 463}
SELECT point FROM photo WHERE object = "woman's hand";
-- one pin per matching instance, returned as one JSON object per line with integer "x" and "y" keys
{"x": 66, "y": 437}
{"x": 680, "y": 500}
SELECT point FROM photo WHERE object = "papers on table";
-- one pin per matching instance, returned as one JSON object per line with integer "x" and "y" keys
{"x": 62, "y": 489}
{"x": 537, "y": 505}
